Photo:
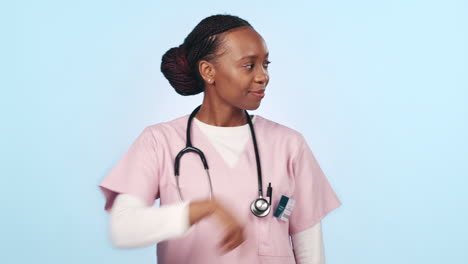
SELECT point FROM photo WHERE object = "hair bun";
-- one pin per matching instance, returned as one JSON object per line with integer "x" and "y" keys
{"x": 176, "y": 69}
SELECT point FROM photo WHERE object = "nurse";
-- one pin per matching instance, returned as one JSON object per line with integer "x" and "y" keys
{"x": 226, "y": 59}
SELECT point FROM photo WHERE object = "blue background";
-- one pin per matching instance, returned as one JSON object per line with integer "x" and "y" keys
{"x": 378, "y": 88}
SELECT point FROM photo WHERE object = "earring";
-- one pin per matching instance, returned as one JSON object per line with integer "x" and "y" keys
{"x": 209, "y": 80}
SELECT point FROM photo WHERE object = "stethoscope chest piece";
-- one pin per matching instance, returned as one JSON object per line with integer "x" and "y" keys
{"x": 260, "y": 207}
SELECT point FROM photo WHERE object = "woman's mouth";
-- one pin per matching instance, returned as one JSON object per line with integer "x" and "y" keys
{"x": 258, "y": 94}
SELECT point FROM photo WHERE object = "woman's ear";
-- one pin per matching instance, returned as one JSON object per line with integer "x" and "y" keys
{"x": 207, "y": 71}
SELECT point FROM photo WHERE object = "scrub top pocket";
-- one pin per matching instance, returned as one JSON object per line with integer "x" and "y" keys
{"x": 274, "y": 237}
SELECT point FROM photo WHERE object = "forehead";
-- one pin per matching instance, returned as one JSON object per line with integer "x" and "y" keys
{"x": 244, "y": 41}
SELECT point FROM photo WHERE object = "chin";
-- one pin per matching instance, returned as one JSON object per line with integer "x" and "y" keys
{"x": 252, "y": 106}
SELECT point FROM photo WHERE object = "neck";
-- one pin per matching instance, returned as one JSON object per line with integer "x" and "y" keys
{"x": 221, "y": 115}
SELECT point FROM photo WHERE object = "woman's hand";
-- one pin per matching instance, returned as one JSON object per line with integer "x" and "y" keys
{"x": 233, "y": 230}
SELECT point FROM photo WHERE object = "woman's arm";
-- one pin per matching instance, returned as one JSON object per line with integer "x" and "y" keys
{"x": 134, "y": 224}
{"x": 308, "y": 246}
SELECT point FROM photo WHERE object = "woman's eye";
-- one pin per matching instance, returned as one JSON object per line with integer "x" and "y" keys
{"x": 250, "y": 66}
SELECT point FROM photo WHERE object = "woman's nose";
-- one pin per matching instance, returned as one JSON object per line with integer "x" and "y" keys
{"x": 262, "y": 76}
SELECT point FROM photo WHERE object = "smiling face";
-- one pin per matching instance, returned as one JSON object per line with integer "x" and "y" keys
{"x": 239, "y": 74}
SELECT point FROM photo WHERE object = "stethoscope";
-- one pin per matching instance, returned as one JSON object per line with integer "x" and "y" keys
{"x": 260, "y": 207}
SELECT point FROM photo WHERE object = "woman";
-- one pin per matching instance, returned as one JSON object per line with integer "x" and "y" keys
{"x": 225, "y": 58}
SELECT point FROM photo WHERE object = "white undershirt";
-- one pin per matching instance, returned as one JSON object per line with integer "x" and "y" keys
{"x": 133, "y": 224}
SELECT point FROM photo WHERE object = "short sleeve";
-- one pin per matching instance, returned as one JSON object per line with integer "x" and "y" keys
{"x": 136, "y": 173}
{"x": 314, "y": 197}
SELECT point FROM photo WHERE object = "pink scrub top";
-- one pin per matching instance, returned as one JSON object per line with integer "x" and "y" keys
{"x": 147, "y": 171}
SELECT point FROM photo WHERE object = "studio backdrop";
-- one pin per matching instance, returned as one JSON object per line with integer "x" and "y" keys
{"x": 377, "y": 88}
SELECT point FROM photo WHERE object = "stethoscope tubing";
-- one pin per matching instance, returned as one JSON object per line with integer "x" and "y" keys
{"x": 190, "y": 148}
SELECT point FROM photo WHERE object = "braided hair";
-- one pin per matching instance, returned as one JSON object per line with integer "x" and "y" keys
{"x": 180, "y": 64}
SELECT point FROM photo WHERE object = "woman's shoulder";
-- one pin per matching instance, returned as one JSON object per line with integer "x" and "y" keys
{"x": 175, "y": 125}
{"x": 278, "y": 130}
